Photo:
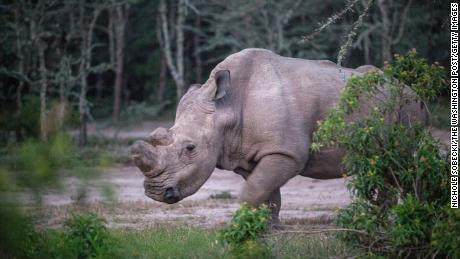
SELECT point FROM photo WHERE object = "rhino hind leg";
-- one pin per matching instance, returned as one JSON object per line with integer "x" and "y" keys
{"x": 324, "y": 164}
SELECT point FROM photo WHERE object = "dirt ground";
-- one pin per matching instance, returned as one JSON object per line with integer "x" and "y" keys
{"x": 304, "y": 201}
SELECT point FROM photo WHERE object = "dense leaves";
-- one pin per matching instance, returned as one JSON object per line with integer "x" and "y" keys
{"x": 245, "y": 230}
{"x": 427, "y": 80}
{"x": 88, "y": 236}
{"x": 398, "y": 172}
{"x": 248, "y": 223}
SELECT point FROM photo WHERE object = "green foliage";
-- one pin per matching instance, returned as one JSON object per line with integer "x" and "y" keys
{"x": 29, "y": 117}
{"x": 168, "y": 242}
{"x": 248, "y": 223}
{"x": 243, "y": 234}
{"x": 362, "y": 216}
{"x": 399, "y": 175}
{"x": 18, "y": 238}
{"x": 446, "y": 233}
{"x": 414, "y": 71}
{"x": 84, "y": 236}
{"x": 87, "y": 235}
{"x": 33, "y": 167}
{"x": 26, "y": 123}
{"x": 413, "y": 221}
{"x": 37, "y": 164}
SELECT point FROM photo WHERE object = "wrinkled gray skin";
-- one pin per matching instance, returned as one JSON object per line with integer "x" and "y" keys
{"x": 255, "y": 115}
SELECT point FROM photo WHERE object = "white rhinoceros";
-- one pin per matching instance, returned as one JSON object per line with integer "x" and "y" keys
{"x": 255, "y": 115}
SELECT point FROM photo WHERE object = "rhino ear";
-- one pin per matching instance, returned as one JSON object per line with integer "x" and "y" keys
{"x": 222, "y": 78}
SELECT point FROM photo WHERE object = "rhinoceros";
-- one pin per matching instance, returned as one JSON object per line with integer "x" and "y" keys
{"x": 255, "y": 116}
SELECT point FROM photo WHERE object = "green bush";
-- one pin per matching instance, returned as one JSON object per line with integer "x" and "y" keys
{"x": 88, "y": 237}
{"x": 33, "y": 167}
{"x": 412, "y": 224}
{"x": 427, "y": 80}
{"x": 18, "y": 238}
{"x": 398, "y": 173}
{"x": 243, "y": 234}
{"x": 446, "y": 233}
{"x": 362, "y": 216}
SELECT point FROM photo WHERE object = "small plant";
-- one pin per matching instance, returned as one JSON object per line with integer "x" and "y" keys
{"x": 243, "y": 234}
{"x": 87, "y": 236}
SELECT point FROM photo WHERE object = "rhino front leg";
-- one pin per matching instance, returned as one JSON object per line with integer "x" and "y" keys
{"x": 274, "y": 203}
{"x": 263, "y": 184}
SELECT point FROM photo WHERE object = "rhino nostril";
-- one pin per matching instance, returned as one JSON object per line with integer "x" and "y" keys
{"x": 170, "y": 195}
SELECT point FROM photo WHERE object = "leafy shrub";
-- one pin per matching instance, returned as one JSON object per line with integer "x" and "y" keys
{"x": 243, "y": 234}
{"x": 33, "y": 166}
{"x": 87, "y": 235}
{"x": 427, "y": 80}
{"x": 362, "y": 216}
{"x": 18, "y": 238}
{"x": 29, "y": 118}
{"x": 26, "y": 123}
{"x": 399, "y": 175}
{"x": 413, "y": 221}
{"x": 248, "y": 223}
{"x": 446, "y": 233}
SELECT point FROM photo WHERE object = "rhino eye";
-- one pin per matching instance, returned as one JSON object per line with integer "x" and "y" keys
{"x": 190, "y": 147}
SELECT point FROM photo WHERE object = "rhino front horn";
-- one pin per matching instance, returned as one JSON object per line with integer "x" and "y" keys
{"x": 161, "y": 137}
{"x": 144, "y": 156}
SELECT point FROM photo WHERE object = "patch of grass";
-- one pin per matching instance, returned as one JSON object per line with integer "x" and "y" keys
{"x": 225, "y": 195}
{"x": 291, "y": 245}
{"x": 319, "y": 220}
{"x": 184, "y": 242}
{"x": 170, "y": 242}
{"x": 85, "y": 236}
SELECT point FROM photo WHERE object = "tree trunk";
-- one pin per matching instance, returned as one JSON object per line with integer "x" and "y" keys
{"x": 35, "y": 29}
{"x": 386, "y": 31}
{"x": 162, "y": 80}
{"x": 175, "y": 68}
{"x": 393, "y": 22}
{"x": 121, "y": 14}
{"x": 86, "y": 45}
{"x": 180, "y": 46}
{"x": 43, "y": 90}
{"x": 20, "y": 56}
{"x": 367, "y": 57}
{"x": 198, "y": 60}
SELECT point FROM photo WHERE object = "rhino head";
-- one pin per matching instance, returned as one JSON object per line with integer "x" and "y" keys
{"x": 176, "y": 162}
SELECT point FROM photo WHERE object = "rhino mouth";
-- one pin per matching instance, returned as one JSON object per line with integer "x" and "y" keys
{"x": 161, "y": 192}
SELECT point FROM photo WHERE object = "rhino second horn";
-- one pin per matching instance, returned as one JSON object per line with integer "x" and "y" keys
{"x": 161, "y": 137}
